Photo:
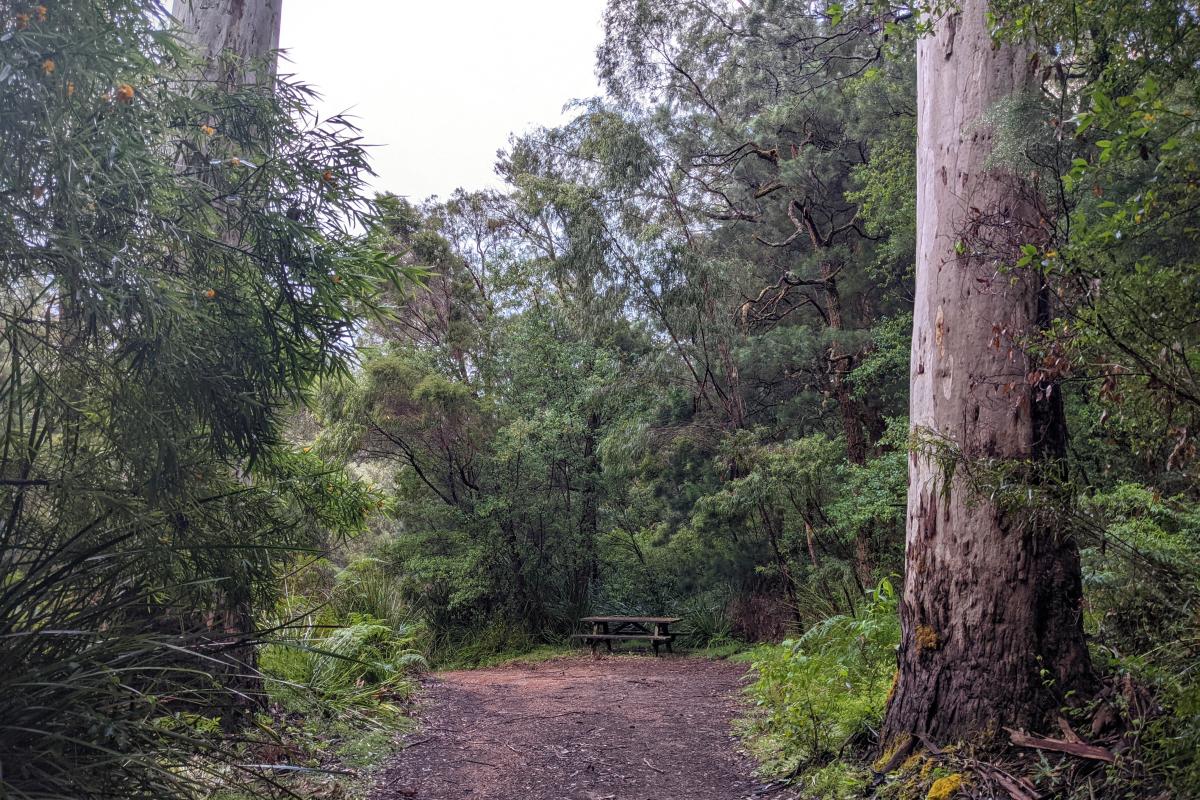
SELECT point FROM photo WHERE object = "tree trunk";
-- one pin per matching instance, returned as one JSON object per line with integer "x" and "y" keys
{"x": 840, "y": 364}
{"x": 991, "y": 620}
{"x": 773, "y": 529}
{"x": 249, "y": 31}
{"x": 588, "y": 570}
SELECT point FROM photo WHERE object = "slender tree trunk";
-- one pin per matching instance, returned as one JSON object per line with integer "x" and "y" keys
{"x": 781, "y": 561}
{"x": 525, "y": 606}
{"x": 735, "y": 405}
{"x": 840, "y": 364}
{"x": 588, "y": 570}
{"x": 991, "y": 621}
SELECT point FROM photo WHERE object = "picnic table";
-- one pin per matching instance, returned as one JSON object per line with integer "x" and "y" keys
{"x": 608, "y": 629}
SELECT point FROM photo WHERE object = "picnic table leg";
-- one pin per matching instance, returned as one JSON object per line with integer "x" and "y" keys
{"x": 660, "y": 629}
{"x": 600, "y": 629}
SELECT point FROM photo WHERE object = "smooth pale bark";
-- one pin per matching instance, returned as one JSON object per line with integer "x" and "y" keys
{"x": 247, "y": 28}
{"x": 991, "y": 620}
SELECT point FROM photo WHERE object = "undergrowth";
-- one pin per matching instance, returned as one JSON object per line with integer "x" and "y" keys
{"x": 820, "y": 698}
{"x": 338, "y": 672}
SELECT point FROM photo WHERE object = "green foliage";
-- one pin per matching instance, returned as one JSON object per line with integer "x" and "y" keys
{"x": 1142, "y": 578}
{"x": 839, "y": 780}
{"x": 345, "y": 666}
{"x": 367, "y": 588}
{"x": 886, "y": 191}
{"x": 490, "y": 645}
{"x": 883, "y": 370}
{"x": 664, "y": 371}
{"x": 823, "y": 695}
{"x": 706, "y": 621}
{"x": 871, "y": 496}
{"x": 1145, "y": 596}
{"x": 147, "y": 497}
{"x": 342, "y": 641}
{"x": 588, "y": 409}
{"x": 499, "y": 470}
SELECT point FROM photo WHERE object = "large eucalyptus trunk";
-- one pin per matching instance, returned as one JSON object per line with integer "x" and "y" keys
{"x": 247, "y": 29}
{"x": 991, "y": 621}
{"x": 235, "y": 40}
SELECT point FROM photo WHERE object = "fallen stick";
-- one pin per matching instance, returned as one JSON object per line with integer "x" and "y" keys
{"x": 1009, "y": 784}
{"x": 1068, "y": 732}
{"x": 651, "y": 766}
{"x": 296, "y": 768}
{"x": 1080, "y": 749}
{"x": 1017, "y": 788}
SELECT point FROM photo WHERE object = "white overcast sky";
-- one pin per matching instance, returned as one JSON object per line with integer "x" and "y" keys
{"x": 439, "y": 86}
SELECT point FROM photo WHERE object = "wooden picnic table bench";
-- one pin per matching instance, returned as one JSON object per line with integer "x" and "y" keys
{"x": 607, "y": 629}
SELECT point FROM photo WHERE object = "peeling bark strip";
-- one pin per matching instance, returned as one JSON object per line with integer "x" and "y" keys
{"x": 1075, "y": 748}
{"x": 992, "y": 631}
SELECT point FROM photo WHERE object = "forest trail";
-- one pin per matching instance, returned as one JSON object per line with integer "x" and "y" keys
{"x": 621, "y": 727}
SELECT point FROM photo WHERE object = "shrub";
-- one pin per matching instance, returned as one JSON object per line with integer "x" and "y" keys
{"x": 366, "y": 587}
{"x": 824, "y": 693}
{"x": 1142, "y": 586}
{"x": 331, "y": 669}
{"x": 146, "y": 497}
{"x": 481, "y": 645}
{"x": 706, "y": 621}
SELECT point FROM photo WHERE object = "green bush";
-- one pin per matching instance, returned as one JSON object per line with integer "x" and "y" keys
{"x": 1142, "y": 586}
{"x": 1142, "y": 576}
{"x": 166, "y": 252}
{"x": 706, "y": 621}
{"x": 330, "y": 669}
{"x": 366, "y": 587}
{"x": 480, "y": 646}
{"x": 822, "y": 695}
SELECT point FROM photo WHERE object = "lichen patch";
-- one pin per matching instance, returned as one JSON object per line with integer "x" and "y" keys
{"x": 927, "y": 638}
{"x": 945, "y": 788}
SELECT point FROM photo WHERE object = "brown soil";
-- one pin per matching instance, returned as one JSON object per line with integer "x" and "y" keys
{"x": 624, "y": 727}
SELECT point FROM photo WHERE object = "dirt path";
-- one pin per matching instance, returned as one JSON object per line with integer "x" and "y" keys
{"x": 615, "y": 728}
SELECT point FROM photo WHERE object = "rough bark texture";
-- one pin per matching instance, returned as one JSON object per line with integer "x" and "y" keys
{"x": 247, "y": 28}
{"x": 991, "y": 623}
